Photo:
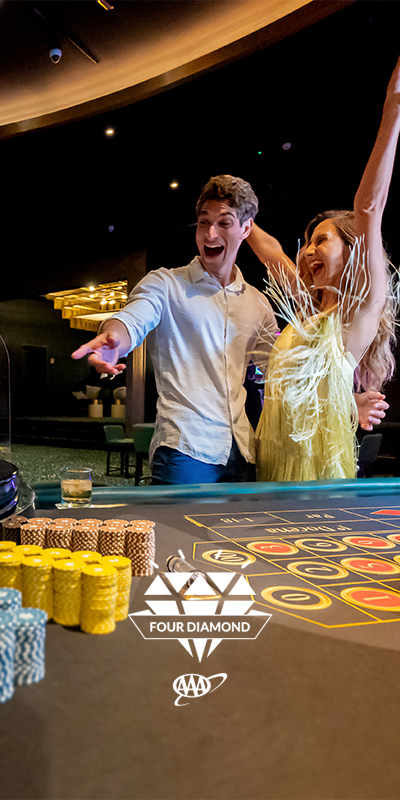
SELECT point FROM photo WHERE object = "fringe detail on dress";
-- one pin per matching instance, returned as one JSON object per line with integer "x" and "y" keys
{"x": 307, "y": 428}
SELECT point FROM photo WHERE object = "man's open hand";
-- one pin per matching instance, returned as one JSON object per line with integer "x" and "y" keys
{"x": 103, "y": 353}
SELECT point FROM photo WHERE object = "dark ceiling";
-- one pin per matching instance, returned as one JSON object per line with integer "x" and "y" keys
{"x": 321, "y": 90}
{"x": 111, "y": 54}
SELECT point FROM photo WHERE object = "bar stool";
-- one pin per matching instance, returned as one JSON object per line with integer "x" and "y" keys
{"x": 117, "y": 442}
{"x": 368, "y": 453}
{"x": 142, "y": 435}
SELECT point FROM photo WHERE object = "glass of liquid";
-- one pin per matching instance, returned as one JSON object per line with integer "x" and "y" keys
{"x": 76, "y": 487}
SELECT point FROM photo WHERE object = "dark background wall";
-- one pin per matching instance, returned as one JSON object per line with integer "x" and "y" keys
{"x": 40, "y": 342}
{"x": 42, "y": 374}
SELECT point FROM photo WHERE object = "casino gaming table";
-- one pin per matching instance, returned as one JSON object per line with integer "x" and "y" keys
{"x": 308, "y": 708}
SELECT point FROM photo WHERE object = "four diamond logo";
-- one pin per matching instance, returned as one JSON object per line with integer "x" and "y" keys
{"x": 215, "y": 606}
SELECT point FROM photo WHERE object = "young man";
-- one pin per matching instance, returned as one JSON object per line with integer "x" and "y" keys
{"x": 203, "y": 324}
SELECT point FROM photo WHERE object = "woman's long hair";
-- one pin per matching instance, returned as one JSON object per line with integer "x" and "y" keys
{"x": 378, "y": 364}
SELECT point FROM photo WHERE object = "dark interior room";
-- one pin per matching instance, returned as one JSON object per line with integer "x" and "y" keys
{"x": 254, "y": 624}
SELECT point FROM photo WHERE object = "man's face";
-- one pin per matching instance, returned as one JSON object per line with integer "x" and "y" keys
{"x": 218, "y": 237}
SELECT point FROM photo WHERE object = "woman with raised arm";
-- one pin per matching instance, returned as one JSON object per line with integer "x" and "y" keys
{"x": 340, "y": 308}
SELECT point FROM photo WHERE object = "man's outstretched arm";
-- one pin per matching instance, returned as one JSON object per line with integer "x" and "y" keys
{"x": 105, "y": 349}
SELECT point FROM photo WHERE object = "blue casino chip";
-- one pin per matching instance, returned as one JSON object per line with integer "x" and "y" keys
{"x": 30, "y": 636}
{"x": 10, "y": 599}
{"x": 7, "y": 649}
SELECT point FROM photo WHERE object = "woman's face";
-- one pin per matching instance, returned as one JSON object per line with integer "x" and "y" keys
{"x": 326, "y": 255}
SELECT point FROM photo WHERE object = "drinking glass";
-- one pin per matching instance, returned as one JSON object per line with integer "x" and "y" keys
{"x": 76, "y": 487}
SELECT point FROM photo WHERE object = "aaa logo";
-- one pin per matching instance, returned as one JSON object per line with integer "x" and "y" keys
{"x": 192, "y": 685}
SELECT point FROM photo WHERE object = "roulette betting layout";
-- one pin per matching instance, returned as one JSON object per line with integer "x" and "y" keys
{"x": 331, "y": 570}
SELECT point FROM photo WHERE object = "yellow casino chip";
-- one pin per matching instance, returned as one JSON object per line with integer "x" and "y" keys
{"x": 27, "y": 550}
{"x": 10, "y": 570}
{"x": 57, "y": 553}
{"x": 67, "y": 592}
{"x": 88, "y": 556}
{"x": 5, "y": 547}
{"x": 99, "y": 596}
{"x": 124, "y": 570}
{"x": 37, "y": 583}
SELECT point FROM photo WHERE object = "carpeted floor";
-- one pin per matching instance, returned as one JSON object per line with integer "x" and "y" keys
{"x": 37, "y": 464}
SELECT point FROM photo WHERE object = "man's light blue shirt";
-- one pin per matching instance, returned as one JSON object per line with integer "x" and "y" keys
{"x": 201, "y": 337}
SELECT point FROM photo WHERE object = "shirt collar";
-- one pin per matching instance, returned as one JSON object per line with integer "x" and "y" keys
{"x": 197, "y": 273}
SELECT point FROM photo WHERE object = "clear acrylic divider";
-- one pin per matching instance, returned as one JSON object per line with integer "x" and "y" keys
{"x": 5, "y": 402}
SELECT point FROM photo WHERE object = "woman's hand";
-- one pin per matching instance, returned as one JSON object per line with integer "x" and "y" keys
{"x": 371, "y": 408}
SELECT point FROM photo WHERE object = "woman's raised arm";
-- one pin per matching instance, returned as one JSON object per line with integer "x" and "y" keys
{"x": 369, "y": 205}
{"x": 270, "y": 252}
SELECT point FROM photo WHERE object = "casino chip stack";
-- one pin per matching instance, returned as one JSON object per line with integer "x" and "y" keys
{"x": 59, "y": 535}
{"x": 25, "y": 550}
{"x": 112, "y": 540}
{"x": 10, "y": 599}
{"x": 57, "y": 553}
{"x": 10, "y": 602}
{"x": 30, "y": 635}
{"x": 124, "y": 570}
{"x": 67, "y": 591}
{"x": 11, "y": 529}
{"x": 37, "y": 583}
{"x": 85, "y": 536}
{"x": 91, "y": 524}
{"x": 140, "y": 546}
{"x": 7, "y": 649}
{"x": 10, "y": 570}
{"x": 86, "y": 557}
{"x": 33, "y": 534}
{"x": 99, "y": 596}
{"x": 7, "y": 547}
{"x": 64, "y": 522}
{"x": 41, "y": 522}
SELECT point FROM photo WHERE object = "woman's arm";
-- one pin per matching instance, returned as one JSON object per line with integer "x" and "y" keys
{"x": 270, "y": 252}
{"x": 369, "y": 205}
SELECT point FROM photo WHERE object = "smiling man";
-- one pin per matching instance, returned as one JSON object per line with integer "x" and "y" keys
{"x": 218, "y": 236}
{"x": 203, "y": 325}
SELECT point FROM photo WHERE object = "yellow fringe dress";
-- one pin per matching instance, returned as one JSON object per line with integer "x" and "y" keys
{"x": 307, "y": 426}
{"x": 309, "y": 419}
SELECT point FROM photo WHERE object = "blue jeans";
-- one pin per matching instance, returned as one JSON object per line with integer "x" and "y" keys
{"x": 172, "y": 467}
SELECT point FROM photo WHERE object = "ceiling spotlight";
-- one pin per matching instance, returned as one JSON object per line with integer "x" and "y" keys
{"x": 109, "y": 132}
{"x": 174, "y": 185}
{"x": 286, "y": 146}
